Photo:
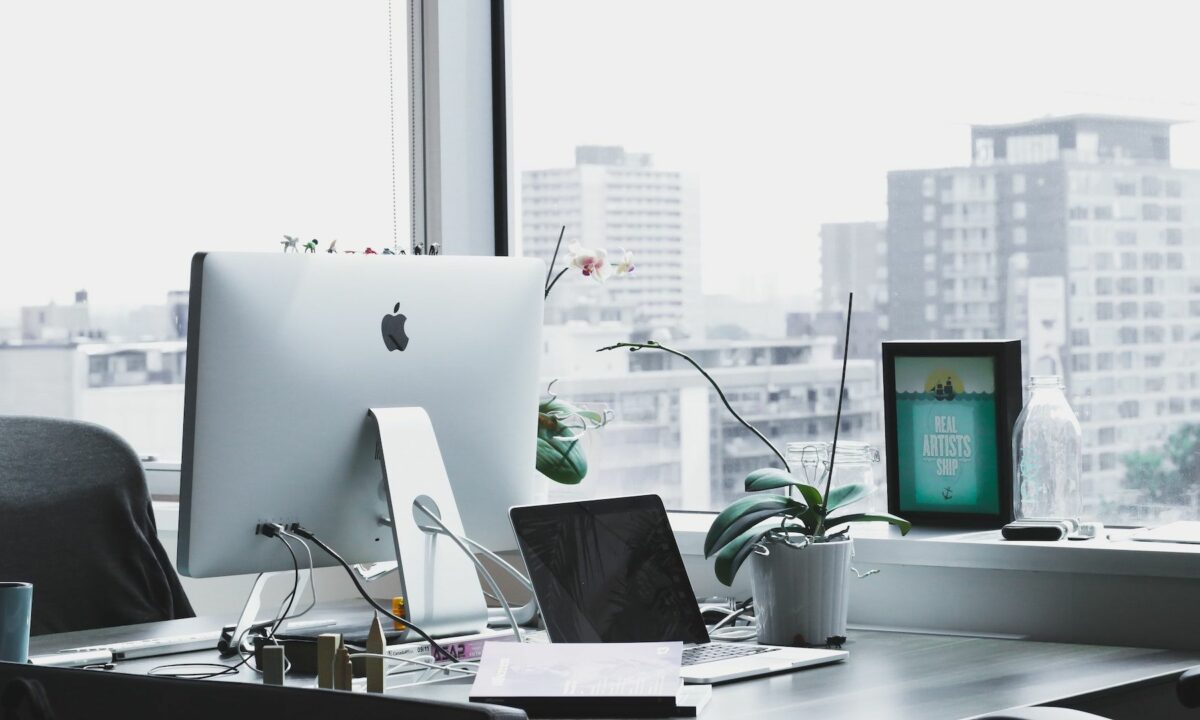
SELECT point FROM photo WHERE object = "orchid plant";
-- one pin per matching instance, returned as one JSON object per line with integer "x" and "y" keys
{"x": 803, "y": 515}
{"x": 561, "y": 424}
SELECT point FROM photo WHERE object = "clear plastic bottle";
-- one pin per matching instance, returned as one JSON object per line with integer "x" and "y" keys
{"x": 1047, "y": 454}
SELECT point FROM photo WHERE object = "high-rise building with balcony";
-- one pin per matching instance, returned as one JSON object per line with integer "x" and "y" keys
{"x": 1079, "y": 236}
{"x": 620, "y": 201}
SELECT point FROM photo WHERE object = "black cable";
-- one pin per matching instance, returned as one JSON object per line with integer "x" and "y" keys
{"x": 245, "y": 659}
{"x": 307, "y": 535}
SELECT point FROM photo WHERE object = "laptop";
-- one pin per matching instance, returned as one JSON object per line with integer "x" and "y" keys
{"x": 609, "y": 571}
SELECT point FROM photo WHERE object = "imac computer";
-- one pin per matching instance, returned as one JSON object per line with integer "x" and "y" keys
{"x": 286, "y": 355}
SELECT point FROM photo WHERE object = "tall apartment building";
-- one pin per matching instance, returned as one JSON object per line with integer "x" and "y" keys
{"x": 617, "y": 200}
{"x": 854, "y": 259}
{"x": 1079, "y": 236}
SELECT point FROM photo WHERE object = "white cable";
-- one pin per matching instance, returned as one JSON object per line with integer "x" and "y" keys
{"x": 734, "y": 634}
{"x": 312, "y": 578}
{"x": 434, "y": 681}
{"x": 728, "y": 619}
{"x": 422, "y": 663}
{"x": 517, "y": 574}
{"x": 491, "y": 581}
{"x": 524, "y": 614}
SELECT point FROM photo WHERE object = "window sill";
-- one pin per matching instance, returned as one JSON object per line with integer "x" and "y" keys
{"x": 1104, "y": 591}
{"x": 1113, "y": 554}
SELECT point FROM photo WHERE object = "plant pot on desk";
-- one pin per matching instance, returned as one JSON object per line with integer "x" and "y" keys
{"x": 800, "y": 591}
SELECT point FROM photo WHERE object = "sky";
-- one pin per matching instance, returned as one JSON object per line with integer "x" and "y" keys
{"x": 136, "y": 132}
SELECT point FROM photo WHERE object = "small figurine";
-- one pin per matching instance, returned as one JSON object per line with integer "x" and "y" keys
{"x": 388, "y": 251}
{"x": 369, "y": 251}
{"x": 289, "y": 243}
{"x": 347, "y": 252}
{"x": 332, "y": 247}
{"x": 377, "y": 644}
{"x": 311, "y": 246}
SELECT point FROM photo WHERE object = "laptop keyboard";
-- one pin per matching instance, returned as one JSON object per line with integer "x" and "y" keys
{"x": 711, "y": 652}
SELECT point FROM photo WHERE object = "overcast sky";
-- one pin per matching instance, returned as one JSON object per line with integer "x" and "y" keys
{"x": 136, "y": 132}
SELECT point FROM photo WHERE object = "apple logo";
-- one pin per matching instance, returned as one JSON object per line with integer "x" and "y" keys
{"x": 392, "y": 327}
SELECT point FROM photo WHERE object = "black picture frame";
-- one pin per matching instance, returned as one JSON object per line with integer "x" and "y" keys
{"x": 903, "y": 497}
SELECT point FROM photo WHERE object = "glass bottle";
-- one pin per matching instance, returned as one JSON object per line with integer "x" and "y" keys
{"x": 855, "y": 464}
{"x": 1047, "y": 454}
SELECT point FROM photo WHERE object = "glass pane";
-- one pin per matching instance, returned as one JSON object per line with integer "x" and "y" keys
{"x": 137, "y": 132}
{"x": 763, "y": 159}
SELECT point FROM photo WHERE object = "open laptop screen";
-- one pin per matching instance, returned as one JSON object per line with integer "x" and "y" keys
{"x": 608, "y": 571}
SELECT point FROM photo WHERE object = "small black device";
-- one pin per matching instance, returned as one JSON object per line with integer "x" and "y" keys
{"x": 1039, "y": 530}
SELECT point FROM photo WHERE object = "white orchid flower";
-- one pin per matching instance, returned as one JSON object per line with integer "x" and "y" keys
{"x": 593, "y": 263}
{"x": 625, "y": 266}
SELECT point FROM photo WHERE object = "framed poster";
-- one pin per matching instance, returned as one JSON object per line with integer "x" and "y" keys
{"x": 949, "y": 410}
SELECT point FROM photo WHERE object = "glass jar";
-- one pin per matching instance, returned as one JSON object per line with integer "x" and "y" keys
{"x": 855, "y": 464}
{"x": 1047, "y": 454}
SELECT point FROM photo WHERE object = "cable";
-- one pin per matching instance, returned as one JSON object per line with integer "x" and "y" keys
{"x": 431, "y": 666}
{"x": 491, "y": 581}
{"x": 295, "y": 585}
{"x": 308, "y": 535}
{"x": 245, "y": 659}
{"x": 312, "y": 578}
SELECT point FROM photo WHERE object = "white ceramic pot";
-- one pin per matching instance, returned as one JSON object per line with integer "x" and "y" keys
{"x": 800, "y": 593}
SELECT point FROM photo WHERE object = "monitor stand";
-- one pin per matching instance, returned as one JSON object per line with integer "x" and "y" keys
{"x": 439, "y": 582}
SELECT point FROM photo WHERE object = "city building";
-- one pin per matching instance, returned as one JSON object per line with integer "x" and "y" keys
{"x": 854, "y": 259}
{"x": 58, "y": 323}
{"x": 620, "y": 201}
{"x": 671, "y": 434}
{"x": 135, "y": 389}
{"x": 1077, "y": 235}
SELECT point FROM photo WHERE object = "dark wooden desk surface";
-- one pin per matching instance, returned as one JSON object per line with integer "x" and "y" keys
{"x": 889, "y": 675}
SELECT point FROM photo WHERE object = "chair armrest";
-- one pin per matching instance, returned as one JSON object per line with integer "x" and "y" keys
{"x": 1187, "y": 688}
{"x": 1040, "y": 713}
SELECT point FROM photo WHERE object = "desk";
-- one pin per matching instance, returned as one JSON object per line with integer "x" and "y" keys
{"x": 889, "y": 675}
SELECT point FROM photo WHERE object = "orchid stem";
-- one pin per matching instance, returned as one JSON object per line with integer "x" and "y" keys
{"x": 555, "y": 281}
{"x": 553, "y": 262}
{"x": 651, "y": 345}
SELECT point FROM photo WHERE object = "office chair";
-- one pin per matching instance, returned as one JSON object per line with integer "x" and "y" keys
{"x": 1187, "y": 689}
{"x": 79, "y": 525}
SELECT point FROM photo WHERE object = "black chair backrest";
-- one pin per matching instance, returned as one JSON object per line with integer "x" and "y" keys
{"x": 87, "y": 694}
{"x": 78, "y": 524}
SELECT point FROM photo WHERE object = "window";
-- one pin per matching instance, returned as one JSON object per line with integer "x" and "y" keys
{"x": 957, "y": 207}
{"x": 138, "y": 133}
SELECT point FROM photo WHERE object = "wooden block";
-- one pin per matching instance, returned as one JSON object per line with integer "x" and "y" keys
{"x": 376, "y": 643}
{"x": 343, "y": 670}
{"x": 327, "y": 647}
{"x": 273, "y": 662}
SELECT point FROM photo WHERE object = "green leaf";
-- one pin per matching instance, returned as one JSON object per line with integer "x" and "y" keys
{"x": 561, "y": 459}
{"x": 743, "y": 514}
{"x": 811, "y": 495}
{"x": 731, "y": 557}
{"x": 899, "y": 522}
{"x": 847, "y": 494}
{"x": 768, "y": 478}
{"x": 774, "y": 478}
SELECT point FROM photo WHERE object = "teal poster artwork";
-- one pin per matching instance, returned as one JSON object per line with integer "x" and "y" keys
{"x": 946, "y": 434}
